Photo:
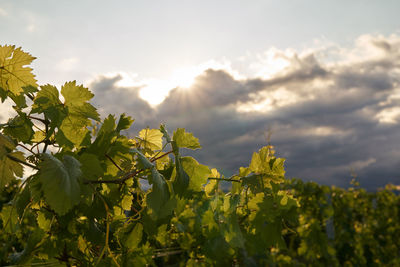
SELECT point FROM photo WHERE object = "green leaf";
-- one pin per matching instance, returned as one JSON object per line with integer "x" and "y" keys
{"x": 91, "y": 166}
{"x": 159, "y": 194}
{"x": 212, "y": 185}
{"x": 43, "y": 222}
{"x": 162, "y": 234}
{"x": 233, "y": 234}
{"x": 126, "y": 202}
{"x": 135, "y": 237}
{"x": 208, "y": 221}
{"x": 265, "y": 163}
{"x": 60, "y": 182}
{"x": 46, "y": 98}
{"x": 142, "y": 159}
{"x": 20, "y": 127}
{"x": 38, "y": 137}
{"x": 181, "y": 181}
{"x": 184, "y": 139}
{"x": 271, "y": 234}
{"x": 124, "y": 122}
{"x": 9, "y": 168}
{"x": 47, "y": 101}
{"x": 74, "y": 129}
{"x": 254, "y": 182}
{"x": 3, "y": 94}
{"x": 150, "y": 139}
{"x": 104, "y": 137}
{"x": 278, "y": 167}
{"x": 6, "y": 144}
{"x": 75, "y": 95}
{"x": 198, "y": 174}
{"x": 10, "y": 219}
{"x": 86, "y": 111}
{"x": 13, "y": 74}
{"x": 33, "y": 240}
{"x": 19, "y": 100}
{"x": 23, "y": 200}
{"x": 30, "y": 89}
{"x": 79, "y": 111}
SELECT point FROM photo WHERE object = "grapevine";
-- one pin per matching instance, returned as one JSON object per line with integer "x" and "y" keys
{"x": 76, "y": 191}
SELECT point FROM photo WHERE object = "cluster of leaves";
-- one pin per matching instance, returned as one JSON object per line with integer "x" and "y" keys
{"x": 339, "y": 227}
{"x": 93, "y": 196}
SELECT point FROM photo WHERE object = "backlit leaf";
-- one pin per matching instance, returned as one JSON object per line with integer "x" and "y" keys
{"x": 198, "y": 174}
{"x": 10, "y": 169}
{"x": 185, "y": 139}
{"x": 134, "y": 237}
{"x": 124, "y": 122}
{"x": 75, "y": 95}
{"x": 13, "y": 74}
{"x": 159, "y": 194}
{"x": 60, "y": 182}
{"x": 150, "y": 139}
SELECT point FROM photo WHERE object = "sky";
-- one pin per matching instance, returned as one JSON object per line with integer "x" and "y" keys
{"x": 320, "y": 77}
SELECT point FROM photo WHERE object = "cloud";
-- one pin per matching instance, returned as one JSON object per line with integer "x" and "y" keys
{"x": 331, "y": 111}
{"x": 112, "y": 97}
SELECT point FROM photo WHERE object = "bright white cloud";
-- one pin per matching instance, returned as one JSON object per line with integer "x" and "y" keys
{"x": 389, "y": 115}
{"x": 266, "y": 101}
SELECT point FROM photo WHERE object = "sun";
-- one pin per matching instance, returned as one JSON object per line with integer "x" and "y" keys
{"x": 155, "y": 91}
{"x": 185, "y": 77}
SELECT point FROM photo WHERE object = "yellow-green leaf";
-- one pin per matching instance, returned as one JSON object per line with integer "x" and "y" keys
{"x": 150, "y": 139}
{"x": 184, "y": 139}
{"x": 13, "y": 74}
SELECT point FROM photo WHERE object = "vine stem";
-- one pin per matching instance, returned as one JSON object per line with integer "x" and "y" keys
{"x": 117, "y": 181}
{"x": 22, "y": 162}
{"x": 224, "y": 179}
{"x": 163, "y": 155}
{"x": 113, "y": 162}
{"x": 127, "y": 176}
{"x": 107, "y": 231}
{"x": 38, "y": 119}
{"x": 30, "y": 150}
{"x": 46, "y": 141}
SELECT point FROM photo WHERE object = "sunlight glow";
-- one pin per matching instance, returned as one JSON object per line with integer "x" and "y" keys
{"x": 271, "y": 62}
{"x": 185, "y": 77}
{"x": 155, "y": 91}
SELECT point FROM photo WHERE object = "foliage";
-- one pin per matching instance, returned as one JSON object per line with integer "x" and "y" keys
{"x": 93, "y": 196}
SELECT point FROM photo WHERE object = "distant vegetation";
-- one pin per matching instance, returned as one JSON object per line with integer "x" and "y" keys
{"x": 82, "y": 202}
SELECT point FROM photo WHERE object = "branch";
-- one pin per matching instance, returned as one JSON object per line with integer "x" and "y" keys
{"x": 30, "y": 150}
{"x": 163, "y": 155}
{"x": 46, "y": 141}
{"x": 116, "y": 165}
{"x": 38, "y": 119}
{"x": 224, "y": 179}
{"x": 127, "y": 176}
{"x": 22, "y": 162}
{"x": 116, "y": 181}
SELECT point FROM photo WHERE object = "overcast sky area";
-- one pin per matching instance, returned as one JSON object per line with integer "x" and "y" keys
{"x": 321, "y": 76}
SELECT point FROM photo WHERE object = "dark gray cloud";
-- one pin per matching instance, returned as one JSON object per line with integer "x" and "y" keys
{"x": 327, "y": 120}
